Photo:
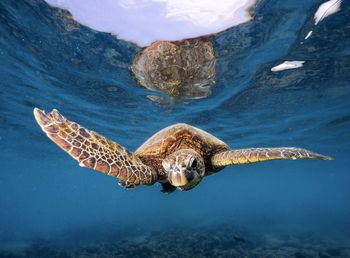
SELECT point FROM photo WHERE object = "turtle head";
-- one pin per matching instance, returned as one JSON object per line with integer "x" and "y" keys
{"x": 185, "y": 169}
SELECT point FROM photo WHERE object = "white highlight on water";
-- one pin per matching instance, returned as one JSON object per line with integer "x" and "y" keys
{"x": 145, "y": 21}
{"x": 324, "y": 10}
{"x": 309, "y": 34}
{"x": 287, "y": 65}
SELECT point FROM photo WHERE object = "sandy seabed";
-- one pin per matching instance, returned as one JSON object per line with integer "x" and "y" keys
{"x": 209, "y": 241}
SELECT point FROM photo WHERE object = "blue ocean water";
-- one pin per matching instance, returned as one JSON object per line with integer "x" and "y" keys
{"x": 49, "y": 61}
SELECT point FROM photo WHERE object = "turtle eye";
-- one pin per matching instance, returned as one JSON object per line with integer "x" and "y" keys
{"x": 194, "y": 164}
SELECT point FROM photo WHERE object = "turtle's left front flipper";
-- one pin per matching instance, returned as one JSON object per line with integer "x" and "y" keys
{"x": 252, "y": 155}
{"x": 95, "y": 151}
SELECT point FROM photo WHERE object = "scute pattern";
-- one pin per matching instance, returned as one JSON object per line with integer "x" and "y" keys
{"x": 181, "y": 136}
{"x": 93, "y": 150}
{"x": 252, "y": 155}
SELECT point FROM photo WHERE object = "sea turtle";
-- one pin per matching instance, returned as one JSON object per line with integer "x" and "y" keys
{"x": 179, "y": 156}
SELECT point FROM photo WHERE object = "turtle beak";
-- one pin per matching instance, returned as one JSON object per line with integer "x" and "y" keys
{"x": 178, "y": 178}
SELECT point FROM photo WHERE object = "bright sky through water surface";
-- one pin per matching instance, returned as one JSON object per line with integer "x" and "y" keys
{"x": 144, "y": 21}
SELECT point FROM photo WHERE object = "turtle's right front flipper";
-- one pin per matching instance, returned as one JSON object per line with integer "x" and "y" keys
{"x": 93, "y": 150}
{"x": 253, "y": 155}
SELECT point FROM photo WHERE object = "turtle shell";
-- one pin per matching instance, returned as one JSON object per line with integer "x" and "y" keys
{"x": 177, "y": 137}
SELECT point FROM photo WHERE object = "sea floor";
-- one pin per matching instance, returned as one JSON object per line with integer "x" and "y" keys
{"x": 208, "y": 241}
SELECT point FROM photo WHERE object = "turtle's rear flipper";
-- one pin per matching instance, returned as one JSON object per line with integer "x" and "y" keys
{"x": 93, "y": 150}
{"x": 252, "y": 155}
{"x": 168, "y": 188}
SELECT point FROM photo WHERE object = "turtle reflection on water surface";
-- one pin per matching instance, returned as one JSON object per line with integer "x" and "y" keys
{"x": 179, "y": 69}
{"x": 178, "y": 157}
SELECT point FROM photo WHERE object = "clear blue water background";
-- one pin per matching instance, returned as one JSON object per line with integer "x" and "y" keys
{"x": 47, "y": 61}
